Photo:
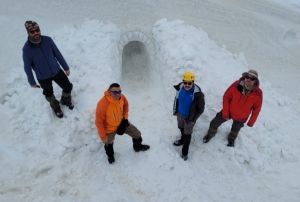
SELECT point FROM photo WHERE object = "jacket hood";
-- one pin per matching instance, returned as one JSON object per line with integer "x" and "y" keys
{"x": 110, "y": 98}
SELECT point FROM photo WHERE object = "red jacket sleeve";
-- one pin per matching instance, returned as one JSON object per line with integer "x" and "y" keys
{"x": 100, "y": 119}
{"x": 227, "y": 99}
{"x": 256, "y": 109}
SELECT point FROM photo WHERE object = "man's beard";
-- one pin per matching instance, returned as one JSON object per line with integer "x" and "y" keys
{"x": 35, "y": 40}
{"x": 248, "y": 87}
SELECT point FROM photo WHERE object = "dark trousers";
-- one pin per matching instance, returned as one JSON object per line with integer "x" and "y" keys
{"x": 61, "y": 79}
{"x": 219, "y": 120}
{"x": 186, "y": 129}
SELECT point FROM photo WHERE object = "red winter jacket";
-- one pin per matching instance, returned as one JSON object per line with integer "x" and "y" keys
{"x": 238, "y": 106}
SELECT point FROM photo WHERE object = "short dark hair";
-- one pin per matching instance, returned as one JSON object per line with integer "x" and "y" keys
{"x": 114, "y": 85}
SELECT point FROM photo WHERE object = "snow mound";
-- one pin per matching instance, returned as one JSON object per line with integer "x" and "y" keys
{"x": 50, "y": 159}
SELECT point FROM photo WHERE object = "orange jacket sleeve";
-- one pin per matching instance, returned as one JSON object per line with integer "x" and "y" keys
{"x": 100, "y": 119}
{"x": 126, "y": 108}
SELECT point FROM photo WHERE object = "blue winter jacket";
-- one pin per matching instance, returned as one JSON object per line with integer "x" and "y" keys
{"x": 43, "y": 58}
{"x": 185, "y": 99}
{"x": 198, "y": 103}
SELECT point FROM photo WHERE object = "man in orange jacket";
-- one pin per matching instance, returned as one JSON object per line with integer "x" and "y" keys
{"x": 112, "y": 119}
{"x": 242, "y": 98}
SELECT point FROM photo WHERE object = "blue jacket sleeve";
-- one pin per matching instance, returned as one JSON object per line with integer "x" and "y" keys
{"x": 59, "y": 56}
{"x": 27, "y": 68}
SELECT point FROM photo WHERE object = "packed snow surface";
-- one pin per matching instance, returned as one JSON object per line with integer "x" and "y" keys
{"x": 43, "y": 158}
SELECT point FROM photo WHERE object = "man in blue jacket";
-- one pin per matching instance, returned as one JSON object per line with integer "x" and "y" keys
{"x": 41, "y": 55}
{"x": 188, "y": 106}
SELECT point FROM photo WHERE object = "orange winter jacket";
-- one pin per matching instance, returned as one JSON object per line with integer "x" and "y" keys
{"x": 238, "y": 106}
{"x": 109, "y": 114}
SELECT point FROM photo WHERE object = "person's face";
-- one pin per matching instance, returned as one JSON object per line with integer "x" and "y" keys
{"x": 115, "y": 92}
{"x": 188, "y": 85}
{"x": 35, "y": 33}
{"x": 249, "y": 81}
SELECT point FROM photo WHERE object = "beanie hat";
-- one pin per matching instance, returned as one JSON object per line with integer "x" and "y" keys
{"x": 31, "y": 25}
{"x": 252, "y": 73}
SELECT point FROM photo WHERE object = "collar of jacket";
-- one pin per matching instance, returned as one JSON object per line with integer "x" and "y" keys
{"x": 179, "y": 86}
{"x": 242, "y": 80}
{"x": 110, "y": 98}
{"x": 34, "y": 45}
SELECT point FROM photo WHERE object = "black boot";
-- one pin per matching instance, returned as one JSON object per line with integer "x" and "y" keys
{"x": 109, "y": 149}
{"x": 210, "y": 134}
{"x": 230, "y": 143}
{"x": 54, "y": 104}
{"x": 231, "y": 138}
{"x": 186, "y": 145}
{"x": 138, "y": 146}
{"x": 66, "y": 99}
{"x": 179, "y": 142}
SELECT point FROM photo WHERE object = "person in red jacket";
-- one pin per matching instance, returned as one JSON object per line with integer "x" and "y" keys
{"x": 242, "y": 99}
{"x": 112, "y": 119}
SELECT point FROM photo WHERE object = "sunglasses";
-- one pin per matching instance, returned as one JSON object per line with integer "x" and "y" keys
{"x": 34, "y": 31}
{"x": 251, "y": 78}
{"x": 187, "y": 83}
{"x": 116, "y": 92}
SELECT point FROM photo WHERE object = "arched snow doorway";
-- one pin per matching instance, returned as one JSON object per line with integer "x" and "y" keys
{"x": 137, "y": 54}
{"x": 135, "y": 64}
{"x": 141, "y": 83}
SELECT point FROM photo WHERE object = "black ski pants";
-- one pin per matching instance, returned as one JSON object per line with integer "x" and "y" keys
{"x": 218, "y": 120}
{"x": 61, "y": 79}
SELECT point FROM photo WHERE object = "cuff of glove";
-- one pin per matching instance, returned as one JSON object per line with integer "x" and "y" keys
{"x": 250, "y": 124}
{"x": 122, "y": 127}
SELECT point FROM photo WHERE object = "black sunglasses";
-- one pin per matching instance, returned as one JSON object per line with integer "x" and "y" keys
{"x": 34, "y": 31}
{"x": 116, "y": 92}
{"x": 187, "y": 83}
{"x": 251, "y": 78}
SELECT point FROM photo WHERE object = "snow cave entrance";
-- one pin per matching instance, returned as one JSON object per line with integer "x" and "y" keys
{"x": 135, "y": 64}
{"x": 137, "y": 53}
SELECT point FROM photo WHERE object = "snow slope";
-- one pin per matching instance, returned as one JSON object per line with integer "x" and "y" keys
{"x": 265, "y": 31}
{"x": 47, "y": 159}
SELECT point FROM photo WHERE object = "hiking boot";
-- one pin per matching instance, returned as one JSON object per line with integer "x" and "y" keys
{"x": 138, "y": 146}
{"x": 186, "y": 145}
{"x": 54, "y": 104}
{"x": 66, "y": 99}
{"x": 109, "y": 149}
{"x": 111, "y": 159}
{"x": 210, "y": 134}
{"x": 230, "y": 143}
{"x": 184, "y": 157}
{"x": 207, "y": 138}
{"x": 141, "y": 147}
{"x": 58, "y": 112}
{"x": 178, "y": 142}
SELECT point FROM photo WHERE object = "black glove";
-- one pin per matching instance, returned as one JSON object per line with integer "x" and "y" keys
{"x": 122, "y": 127}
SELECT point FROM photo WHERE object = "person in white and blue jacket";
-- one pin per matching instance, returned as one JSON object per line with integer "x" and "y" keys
{"x": 41, "y": 55}
{"x": 188, "y": 106}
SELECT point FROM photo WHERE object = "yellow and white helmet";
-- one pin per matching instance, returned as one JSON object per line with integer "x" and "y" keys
{"x": 188, "y": 76}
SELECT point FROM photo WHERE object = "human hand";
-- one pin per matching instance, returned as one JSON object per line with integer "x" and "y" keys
{"x": 104, "y": 140}
{"x": 35, "y": 86}
{"x": 67, "y": 72}
{"x": 122, "y": 127}
{"x": 249, "y": 124}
